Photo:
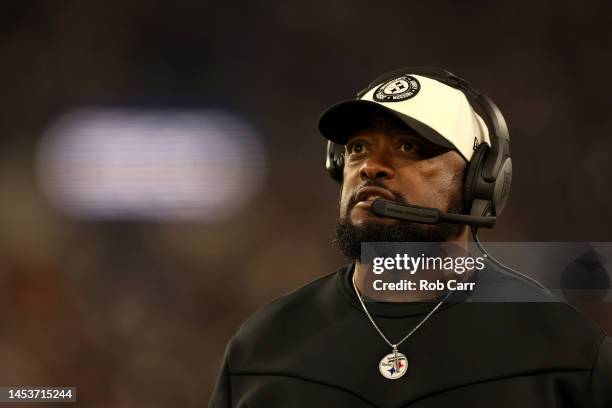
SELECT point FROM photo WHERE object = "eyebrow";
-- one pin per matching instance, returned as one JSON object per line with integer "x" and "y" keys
{"x": 399, "y": 134}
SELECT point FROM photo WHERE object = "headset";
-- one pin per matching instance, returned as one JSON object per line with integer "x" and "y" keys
{"x": 489, "y": 173}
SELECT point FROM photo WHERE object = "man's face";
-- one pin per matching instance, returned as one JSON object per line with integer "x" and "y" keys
{"x": 388, "y": 160}
{"x": 406, "y": 163}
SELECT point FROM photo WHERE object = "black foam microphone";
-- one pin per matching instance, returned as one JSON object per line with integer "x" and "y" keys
{"x": 427, "y": 215}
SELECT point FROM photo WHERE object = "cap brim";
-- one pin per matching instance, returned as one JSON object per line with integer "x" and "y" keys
{"x": 342, "y": 120}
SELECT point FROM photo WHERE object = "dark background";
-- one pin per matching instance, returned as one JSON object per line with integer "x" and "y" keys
{"x": 137, "y": 313}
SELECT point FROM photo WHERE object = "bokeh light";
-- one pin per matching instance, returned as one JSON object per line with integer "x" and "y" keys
{"x": 136, "y": 164}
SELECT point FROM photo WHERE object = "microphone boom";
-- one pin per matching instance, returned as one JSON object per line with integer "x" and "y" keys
{"x": 426, "y": 215}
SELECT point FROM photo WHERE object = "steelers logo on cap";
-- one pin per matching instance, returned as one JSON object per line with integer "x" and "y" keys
{"x": 398, "y": 89}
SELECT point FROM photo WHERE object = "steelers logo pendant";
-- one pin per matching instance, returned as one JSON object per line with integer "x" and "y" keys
{"x": 393, "y": 365}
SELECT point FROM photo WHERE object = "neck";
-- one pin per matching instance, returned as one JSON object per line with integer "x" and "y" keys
{"x": 363, "y": 274}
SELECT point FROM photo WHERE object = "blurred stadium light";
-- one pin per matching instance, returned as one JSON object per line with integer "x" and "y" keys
{"x": 158, "y": 165}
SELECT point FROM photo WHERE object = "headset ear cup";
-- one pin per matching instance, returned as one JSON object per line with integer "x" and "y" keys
{"x": 334, "y": 161}
{"x": 502, "y": 187}
{"x": 340, "y": 166}
{"x": 472, "y": 173}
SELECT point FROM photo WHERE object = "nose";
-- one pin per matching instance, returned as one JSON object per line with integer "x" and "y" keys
{"x": 377, "y": 165}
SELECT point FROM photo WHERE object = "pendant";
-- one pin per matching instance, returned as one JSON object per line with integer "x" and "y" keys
{"x": 393, "y": 365}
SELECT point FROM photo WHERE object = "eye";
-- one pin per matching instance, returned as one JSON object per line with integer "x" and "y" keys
{"x": 356, "y": 148}
{"x": 406, "y": 146}
{"x": 409, "y": 146}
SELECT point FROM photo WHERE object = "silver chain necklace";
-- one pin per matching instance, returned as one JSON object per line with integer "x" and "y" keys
{"x": 395, "y": 364}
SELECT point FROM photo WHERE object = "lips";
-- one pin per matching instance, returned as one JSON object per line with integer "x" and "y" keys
{"x": 371, "y": 193}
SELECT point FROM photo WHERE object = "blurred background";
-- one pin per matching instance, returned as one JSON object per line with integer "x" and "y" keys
{"x": 162, "y": 176}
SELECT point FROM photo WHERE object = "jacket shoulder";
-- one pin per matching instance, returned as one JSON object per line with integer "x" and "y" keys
{"x": 286, "y": 316}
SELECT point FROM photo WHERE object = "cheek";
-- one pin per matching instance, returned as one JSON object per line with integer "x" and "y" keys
{"x": 438, "y": 182}
{"x": 346, "y": 191}
{"x": 448, "y": 182}
{"x": 343, "y": 199}
{"x": 449, "y": 188}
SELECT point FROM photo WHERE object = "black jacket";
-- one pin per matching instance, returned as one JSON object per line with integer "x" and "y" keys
{"x": 316, "y": 348}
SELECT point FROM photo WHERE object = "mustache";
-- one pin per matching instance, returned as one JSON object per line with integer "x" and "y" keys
{"x": 397, "y": 196}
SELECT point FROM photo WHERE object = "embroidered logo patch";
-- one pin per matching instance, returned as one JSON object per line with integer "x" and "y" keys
{"x": 398, "y": 89}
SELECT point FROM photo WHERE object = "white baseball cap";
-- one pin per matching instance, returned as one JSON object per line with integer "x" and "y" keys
{"x": 436, "y": 111}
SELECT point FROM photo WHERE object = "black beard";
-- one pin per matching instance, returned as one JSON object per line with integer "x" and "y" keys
{"x": 348, "y": 237}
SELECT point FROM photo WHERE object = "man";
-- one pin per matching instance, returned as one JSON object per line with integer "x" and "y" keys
{"x": 412, "y": 139}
